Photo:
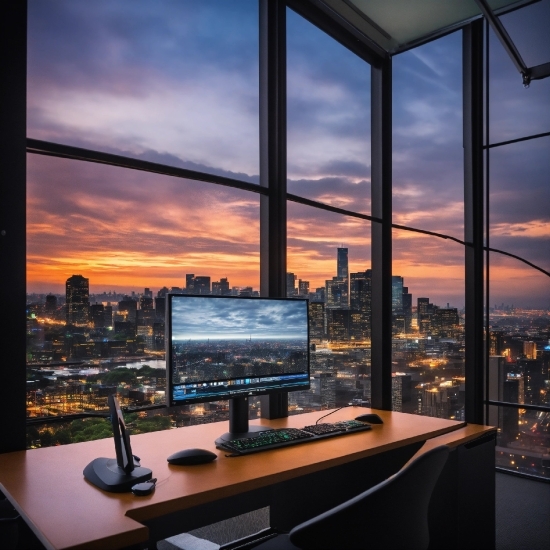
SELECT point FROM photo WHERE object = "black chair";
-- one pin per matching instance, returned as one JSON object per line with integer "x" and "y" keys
{"x": 391, "y": 515}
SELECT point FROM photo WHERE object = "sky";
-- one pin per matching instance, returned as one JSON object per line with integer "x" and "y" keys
{"x": 176, "y": 82}
{"x": 200, "y": 318}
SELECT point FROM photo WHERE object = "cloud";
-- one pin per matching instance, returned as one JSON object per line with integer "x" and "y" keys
{"x": 199, "y": 318}
{"x": 164, "y": 77}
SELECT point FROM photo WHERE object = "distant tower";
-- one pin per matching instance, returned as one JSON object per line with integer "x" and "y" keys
{"x": 342, "y": 270}
{"x": 78, "y": 299}
{"x": 291, "y": 284}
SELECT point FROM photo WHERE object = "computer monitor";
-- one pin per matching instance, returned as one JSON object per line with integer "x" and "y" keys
{"x": 234, "y": 347}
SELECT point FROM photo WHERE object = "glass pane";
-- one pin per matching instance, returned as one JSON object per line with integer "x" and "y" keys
{"x": 169, "y": 82}
{"x": 104, "y": 245}
{"x": 519, "y": 214}
{"x": 515, "y": 111}
{"x": 328, "y": 258}
{"x": 528, "y": 28}
{"x": 428, "y": 326}
{"x": 519, "y": 334}
{"x": 328, "y": 119}
{"x": 522, "y": 440}
{"x": 428, "y": 188}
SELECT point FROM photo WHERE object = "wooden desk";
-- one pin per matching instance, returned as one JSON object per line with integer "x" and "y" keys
{"x": 48, "y": 489}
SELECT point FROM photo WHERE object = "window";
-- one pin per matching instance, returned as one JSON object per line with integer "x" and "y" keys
{"x": 428, "y": 194}
{"x": 518, "y": 264}
{"x": 171, "y": 82}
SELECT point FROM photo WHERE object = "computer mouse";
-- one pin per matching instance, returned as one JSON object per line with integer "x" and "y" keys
{"x": 190, "y": 457}
{"x": 371, "y": 418}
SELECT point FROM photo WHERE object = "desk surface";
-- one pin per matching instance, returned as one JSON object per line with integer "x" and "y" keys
{"x": 65, "y": 511}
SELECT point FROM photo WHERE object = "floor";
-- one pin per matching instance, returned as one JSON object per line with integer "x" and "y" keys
{"x": 523, "y": 513}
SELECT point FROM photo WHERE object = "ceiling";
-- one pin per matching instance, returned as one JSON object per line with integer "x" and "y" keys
{"x": 397, "y": 25}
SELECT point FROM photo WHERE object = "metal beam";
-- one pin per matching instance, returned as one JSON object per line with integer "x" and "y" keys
{"x": 473, "y": 219}
{"x": 273, "y": 167}
{"x": 381, "y": 246}
{"x": 13, "y": 106}
{"x": 505, "y": 40}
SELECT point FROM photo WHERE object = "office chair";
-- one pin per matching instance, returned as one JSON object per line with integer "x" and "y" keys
{"x": 392, "y": 515}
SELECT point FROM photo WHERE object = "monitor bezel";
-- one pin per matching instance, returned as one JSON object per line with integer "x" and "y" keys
{"x": 252, "y": 392}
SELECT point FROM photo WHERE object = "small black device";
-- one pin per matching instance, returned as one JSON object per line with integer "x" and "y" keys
{"x": 145, "y": 488}
{"x": 370, "y": 418}
{"x": 120, "y": 474}
{"x": 192, "y": 457}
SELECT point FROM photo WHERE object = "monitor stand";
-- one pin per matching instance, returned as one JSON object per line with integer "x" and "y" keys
{"x": 106, "y": 474}
{"x": 238, "y": 422}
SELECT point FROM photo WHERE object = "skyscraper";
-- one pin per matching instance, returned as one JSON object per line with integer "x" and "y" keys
{"x": 342, "y": 269}
{"x": 77, "y": 294}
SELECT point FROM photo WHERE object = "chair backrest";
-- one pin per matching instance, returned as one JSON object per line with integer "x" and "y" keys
{"x": 392, "y": 514}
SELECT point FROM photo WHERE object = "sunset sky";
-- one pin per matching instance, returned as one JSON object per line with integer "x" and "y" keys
{"x": 177, "y": 82}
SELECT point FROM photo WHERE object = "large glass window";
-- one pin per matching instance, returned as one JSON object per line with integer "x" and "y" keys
{"x": 328, "y": 260}
{"x": 169, "y": 82}
{"x": 428, "y": 194}
{"x": 518, "y": 368}
{"x": 104, "y": 246}
{"x": 328, "y": 119}
{"x": 514, "y": 111}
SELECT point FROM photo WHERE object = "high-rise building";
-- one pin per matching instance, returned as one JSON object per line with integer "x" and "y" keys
{"x": 146, "y": 314}
{"x": 360, "y": 302}
{"x": 424, "y": 312}
{"x": 197, "y": 285}
{"x": 317, "y": 329}
{"x": 407, "y": 309}
{"x": 127, "y": 308}
{"x": 530, "y": 350}
{"x": 396, "y": 295}
{"x": 291, "y": 284}
{"x": 160, "y": 307}
{"x": 77, "y": 295}
{"x": 337, "y": 293}
{"x": 221, "y": 287}
{"x": 445, "y": 322}
{"x": 342, "y": 270}
{"x": 97, "y": 314}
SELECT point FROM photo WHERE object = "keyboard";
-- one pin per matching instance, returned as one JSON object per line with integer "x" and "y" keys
{"x": 337, "y": 428}
{"x": 283, "y": 437}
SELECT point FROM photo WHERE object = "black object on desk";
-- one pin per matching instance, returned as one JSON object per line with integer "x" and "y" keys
{"x": 191, "y": 457}
{"x": 371, "y": 418}
{"x": 120, "y": 474}
{"x": 283, "y": 437}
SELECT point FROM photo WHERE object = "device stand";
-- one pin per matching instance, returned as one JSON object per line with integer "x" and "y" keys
{"x": 238, "y": 422}
{"x": 106, "y": 474}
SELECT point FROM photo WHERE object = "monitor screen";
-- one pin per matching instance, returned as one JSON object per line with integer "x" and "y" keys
{"x": 227, "y": 347}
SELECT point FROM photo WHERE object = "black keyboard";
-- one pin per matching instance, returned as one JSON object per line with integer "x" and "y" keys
{"x": 337, "y": 428}
{"x": 283, "y": 437}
